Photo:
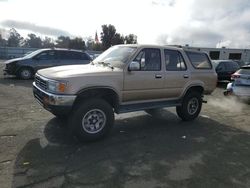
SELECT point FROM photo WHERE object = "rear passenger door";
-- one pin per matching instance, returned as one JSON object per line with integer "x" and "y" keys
{"x": 146, "y": 83}
{"x": 176, "y": 75}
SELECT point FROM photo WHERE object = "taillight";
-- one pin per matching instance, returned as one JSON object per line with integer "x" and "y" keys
{"x": 234, "y": 76}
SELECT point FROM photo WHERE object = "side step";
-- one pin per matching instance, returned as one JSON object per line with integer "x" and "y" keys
{"x": 144, "y": 106}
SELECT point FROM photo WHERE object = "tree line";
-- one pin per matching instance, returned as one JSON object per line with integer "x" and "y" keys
{"x": 108, "y": 38}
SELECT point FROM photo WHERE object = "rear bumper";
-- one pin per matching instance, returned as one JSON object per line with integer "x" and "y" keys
{"x": 239, "y": 91}
{"x": 56, "y": 104}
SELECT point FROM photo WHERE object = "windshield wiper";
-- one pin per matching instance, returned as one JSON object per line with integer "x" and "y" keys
{"x": 106, "y": 64}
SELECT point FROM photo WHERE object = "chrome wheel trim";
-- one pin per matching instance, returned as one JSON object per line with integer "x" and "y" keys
{"x": 94, "y": 121}
{"x": 25, "y": 73}
{"x": 193, "y": 105}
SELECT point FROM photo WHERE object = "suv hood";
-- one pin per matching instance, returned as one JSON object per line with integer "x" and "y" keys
{"x": 70, "y": 71}
{"x": 14, "y": 60}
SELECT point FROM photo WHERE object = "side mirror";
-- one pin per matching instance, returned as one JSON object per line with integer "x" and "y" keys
{"x": 134, "y": 66}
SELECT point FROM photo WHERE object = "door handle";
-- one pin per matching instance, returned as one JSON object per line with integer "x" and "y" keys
{"x": 185, "y": 76}
{"x": 157, "y": 76}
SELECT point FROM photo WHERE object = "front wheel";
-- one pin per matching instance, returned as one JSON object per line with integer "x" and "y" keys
{"x": 92, "y": 119}
{"x": 25, "y": 73}
{"x": 191, "y": 106}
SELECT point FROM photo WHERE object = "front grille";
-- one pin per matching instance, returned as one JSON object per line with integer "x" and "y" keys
{"x": 41, "y": 83}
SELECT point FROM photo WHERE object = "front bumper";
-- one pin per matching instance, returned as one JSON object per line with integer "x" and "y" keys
{"x": 56, "y": 104}
{"x": 7, "y": 72}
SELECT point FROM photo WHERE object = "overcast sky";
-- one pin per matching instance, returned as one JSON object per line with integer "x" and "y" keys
{"x": 207, "y": 23}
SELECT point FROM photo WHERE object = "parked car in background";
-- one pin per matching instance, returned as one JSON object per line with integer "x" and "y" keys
{"x": 240, "y": 63}
{"x": 225, "y": 68}
{"x": 27, "y": 66}
{"x": 240, "y": 85}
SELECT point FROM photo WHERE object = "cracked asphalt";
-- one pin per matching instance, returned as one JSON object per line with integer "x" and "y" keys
{"x": 141, "y": 152}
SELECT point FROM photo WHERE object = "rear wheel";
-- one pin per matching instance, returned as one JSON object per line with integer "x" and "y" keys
{"x": 191, "y": 106}
{"x": 25, "y": 73}
{"x": 92, "y": 119}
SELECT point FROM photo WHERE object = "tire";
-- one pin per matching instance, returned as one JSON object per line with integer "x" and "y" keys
{"x": 91, "y": 120}
{"x": 191, "y": 106}
{"x": 25, "y": 73}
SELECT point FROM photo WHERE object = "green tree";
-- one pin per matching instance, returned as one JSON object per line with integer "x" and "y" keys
{"x": 107, "y": 34}
{"x": 97, "y": 47}
{"x": 48, "y": 43}
{"x": 77, "y": 43}
{"x": 14, "y": 39}
{"x": 131, "y": 39}
{"x": 3, "y": 42}
{"x": 33, "y": 41}
{"x": 117, "y": 39}
{"x": 63, "y": 42}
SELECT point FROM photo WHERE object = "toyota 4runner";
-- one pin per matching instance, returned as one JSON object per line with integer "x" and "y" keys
{"x": 125, "y": 78}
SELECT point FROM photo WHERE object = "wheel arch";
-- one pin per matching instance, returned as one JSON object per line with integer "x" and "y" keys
{"x": 106, "y": 93}
{"x": 198, "y": 88}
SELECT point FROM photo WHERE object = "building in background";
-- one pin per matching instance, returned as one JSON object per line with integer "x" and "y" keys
{"x": 224, "y": 53}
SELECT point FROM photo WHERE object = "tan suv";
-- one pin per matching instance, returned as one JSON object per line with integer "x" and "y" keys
{"x": 125, "y": 78}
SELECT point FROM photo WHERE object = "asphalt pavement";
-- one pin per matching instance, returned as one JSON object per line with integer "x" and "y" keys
{"x": 141, "y": 151}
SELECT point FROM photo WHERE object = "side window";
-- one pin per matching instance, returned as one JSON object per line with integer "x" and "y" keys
{"x": 221, "y": 67}
{"x": 84, "y": 56}
{"x": 150, "y": 59}
{"x": 47, "y": 55}
{"x": 174, "y": 61}
{"x": 235, "y": 66}
{"x": 199, "y": 60}
{"x": 64, "y": 55}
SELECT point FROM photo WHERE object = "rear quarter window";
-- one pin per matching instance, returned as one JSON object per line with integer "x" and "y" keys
{"x": 199, "y": 60}
{"x": 244, "y": 71}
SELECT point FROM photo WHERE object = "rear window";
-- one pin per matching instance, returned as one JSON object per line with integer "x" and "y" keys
{"x": 199, "y": 60}
{"x": 244, "y": 71}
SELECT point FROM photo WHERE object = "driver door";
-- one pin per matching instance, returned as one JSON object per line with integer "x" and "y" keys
{"x": 148, "y": 82}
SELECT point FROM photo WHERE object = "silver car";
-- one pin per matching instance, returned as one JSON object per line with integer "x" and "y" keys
{"x": 240, "y": 85}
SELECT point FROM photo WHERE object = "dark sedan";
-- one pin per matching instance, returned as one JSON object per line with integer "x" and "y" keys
{"x": 27, "y": 66}
{"x": 225, "y": 68}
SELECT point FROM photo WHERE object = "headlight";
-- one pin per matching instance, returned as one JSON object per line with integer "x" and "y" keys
{"x": 57, "y": 86}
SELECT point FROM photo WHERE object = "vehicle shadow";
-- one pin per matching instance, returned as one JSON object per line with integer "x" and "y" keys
{"x": 141, "y": 151}
{"x": 222, "y": 84}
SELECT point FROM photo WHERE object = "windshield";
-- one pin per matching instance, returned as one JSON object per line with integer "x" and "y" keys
{"x": 32, "y": 54}
{"x": 116, "y": 56}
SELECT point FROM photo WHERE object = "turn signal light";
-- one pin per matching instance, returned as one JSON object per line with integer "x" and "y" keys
{"x": 62, "y": 87}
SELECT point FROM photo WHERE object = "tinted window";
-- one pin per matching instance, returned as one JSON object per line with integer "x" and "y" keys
{"x": 152, "y": 59}
{"x": 214, "y": 54}
{"x": 64, "y": 55}
{"x": 199, "y": 60}
{"x": 84, "y": 56}
{"x": 244, "y": 71}
{"x": 231, "y": 66}
{"x": 47, "y": 55}
{"x": 235, "y": 56}
{"x": 174, "y": 60}
{"x": 220, "y": 67}
{"x": 70, "y": 55}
